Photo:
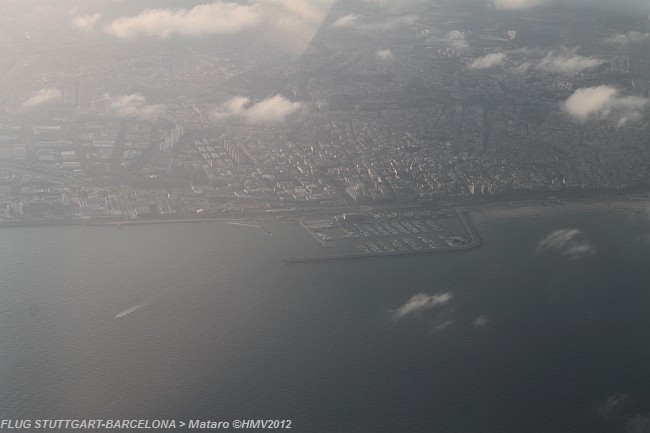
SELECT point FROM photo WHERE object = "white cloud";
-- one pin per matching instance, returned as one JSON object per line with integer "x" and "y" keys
{"x": 132, "y": 106}
{"x": 567, "y": 63}
{"x": 604, "y": 103}
{"x": 488, "y": 61}
{"x": 392, "y": 23}
{"x": 628, "y": 38}
{"x": 519, "y": 4}
{"x": 42, "y": 96}
{"x": 629, "y": 5}
{"x": 442, "y": 326}
{"x": 397, "y": 6}
{"x": 349, "y": 20}
{"x": 287, "y": 24}
{"x": 580, "y": 250}
{"x": 380, "y": 3}
{"x": 557, "y": 239}
{"x": 564, "y": 62}
{"x": 275, "y": 109}
{"x": 457, "y": 40}
{"x": 291, "y": 24}
{"x": 355, "y": 22}
{"x": 481, "y": 322}
{"x": 567, "y": 242}
{"x": 86, "y": 22}
{"x": 272, "y": 110}
{"x": 616, "y": 406}
{"x": 419, "y": 303}
{"x": 639, "y": 424}
{"x": 233, "y": 107}
{"x": 204, "y": 19}
{"x": 386, "y": 54}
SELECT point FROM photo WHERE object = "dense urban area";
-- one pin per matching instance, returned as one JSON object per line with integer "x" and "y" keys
{"x": 452, "y": 102}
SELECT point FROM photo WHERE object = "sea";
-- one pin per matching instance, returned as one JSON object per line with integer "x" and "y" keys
{"x": 544, "y": 328}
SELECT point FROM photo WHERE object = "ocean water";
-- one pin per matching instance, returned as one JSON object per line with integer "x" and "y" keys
{"x": 204, "y": 321}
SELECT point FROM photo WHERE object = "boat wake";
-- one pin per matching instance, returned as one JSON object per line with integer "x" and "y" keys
{"x": 130, "y": 310}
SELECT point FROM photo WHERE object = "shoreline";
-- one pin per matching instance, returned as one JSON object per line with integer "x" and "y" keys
{"x": 247, "y": 222}
{"x": 479, "y": 214}
{"x": 505, "y": 212}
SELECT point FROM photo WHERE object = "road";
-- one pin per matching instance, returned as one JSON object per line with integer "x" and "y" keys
{"x": 43, "y": 174}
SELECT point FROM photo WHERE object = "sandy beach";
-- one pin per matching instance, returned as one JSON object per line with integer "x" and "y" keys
{"x": 501, "y": 212}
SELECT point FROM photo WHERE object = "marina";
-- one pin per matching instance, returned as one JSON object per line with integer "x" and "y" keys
{"x": 391, "y": 234}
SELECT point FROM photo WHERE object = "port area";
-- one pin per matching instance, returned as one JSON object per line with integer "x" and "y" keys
{"x": 390, "y": 233}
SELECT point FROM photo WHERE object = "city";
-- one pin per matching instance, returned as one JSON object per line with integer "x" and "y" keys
{"x": 428, "y": 109}
{"x": 361, "y": 216}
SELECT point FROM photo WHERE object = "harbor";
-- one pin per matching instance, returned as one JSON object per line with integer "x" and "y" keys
{"x": 391, "y": 234}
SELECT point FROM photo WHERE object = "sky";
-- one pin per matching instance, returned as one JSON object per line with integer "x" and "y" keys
{"x": 618, "y": 5}
{"x": 285, "y": 24}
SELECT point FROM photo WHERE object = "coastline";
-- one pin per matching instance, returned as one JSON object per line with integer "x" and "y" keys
{"x": 478, "y": 214}
{"x": 119, "y": 223}
{"x": 519, "y": 210}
